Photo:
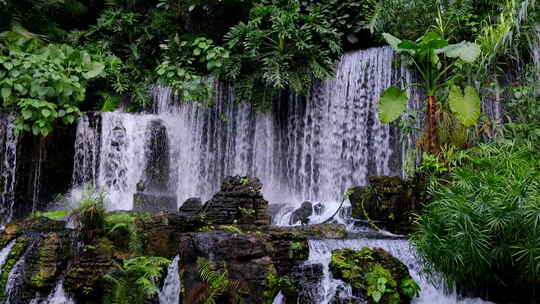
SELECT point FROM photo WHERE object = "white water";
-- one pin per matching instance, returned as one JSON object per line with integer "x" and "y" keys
{"x": 170, "y": 293}
{"x": 279, "y": 299}
{"x": 15, "y": 277}
{"x": 4, "y": 254}
{"x": 8, "y": 166}
{"x": 311, "y": 148}
{"x": 57, "y": 296}
{"x": 320, "y": 251}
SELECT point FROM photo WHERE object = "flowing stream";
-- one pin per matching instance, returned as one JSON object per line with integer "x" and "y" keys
{"x": 170, "y": 293}
{"x": 8, "y": 166}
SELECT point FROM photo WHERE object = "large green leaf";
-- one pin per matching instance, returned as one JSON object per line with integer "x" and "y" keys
{"x": 392, "y": 41}
{"x": 466, "y": 106}
{"x": 466, "y": 51}
{"x": 94, "y": 70}
{"x": 392, "y": 104}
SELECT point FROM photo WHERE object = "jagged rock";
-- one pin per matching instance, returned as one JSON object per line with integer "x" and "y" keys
{"x": 36, "y": 224}
{"x": 389, "y": 202}
{"x": 290, "y": 248}
{"x": 240, "y": 201}
{"x": 160, "y": 233}
{"x": 364, "y": 267}
{"x": 246, "y": 257}
{"x": 302, "y": 214}
{"x": 86, "y": 275}
{"x": 309, "y": 276}
{"x": 150, "y": 202}
{"x": 49, "y": 261}
{"x": 191, "y": 207}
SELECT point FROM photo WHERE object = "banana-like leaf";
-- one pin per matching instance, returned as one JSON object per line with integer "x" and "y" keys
{"x": 466, "y": 106}
{"x": 466, "y": 51}
{"x": 392, "y": 104}
{"x": 392, "y": 41}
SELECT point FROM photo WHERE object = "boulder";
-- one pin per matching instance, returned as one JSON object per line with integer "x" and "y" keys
{"x": 191, "y": 207}
{"x": 302, "y": 214}
{"x": 366, "y": 268}
{"x": 389, "y": 202}
{"x": 240, "y": 201}
{"x": 318, "y": 209}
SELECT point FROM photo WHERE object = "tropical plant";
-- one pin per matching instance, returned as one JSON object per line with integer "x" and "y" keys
{"x": 135, "y": 281}
{"x": 118, "y": 225}
{"x": 43, "y": 83}
{"x": 435, "y": 60}
{"x": 483, "y": 227}
{"x": 89, "y": 217}
{"x": 215, "y": 284}
{"x": 280, "y": 47}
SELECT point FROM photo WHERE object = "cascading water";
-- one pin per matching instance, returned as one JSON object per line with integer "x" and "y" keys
{"x": 4, "y": 253}
{"x": 8, "y": 166}
{"x": 57, "y": 296}
{"x": 320, "y": 252}
{"x": 170, "y": 293}
{"x": 15, "y": 278}
{"x": 305, "y": 148}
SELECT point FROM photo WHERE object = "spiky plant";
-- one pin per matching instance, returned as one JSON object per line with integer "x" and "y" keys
{"x": 215, "y": 284}
{"x": 483, "y": 227}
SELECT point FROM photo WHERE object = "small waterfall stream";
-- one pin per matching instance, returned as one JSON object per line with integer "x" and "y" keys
{"x": 8, "y": 166}
{"x": 4, "y": 253}
{"x": 170, "y": 293}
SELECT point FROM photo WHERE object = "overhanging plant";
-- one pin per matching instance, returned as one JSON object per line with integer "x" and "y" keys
{"x": 436, "y": 61}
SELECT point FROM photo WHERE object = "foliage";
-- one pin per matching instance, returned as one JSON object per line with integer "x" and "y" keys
{"x": 90, "y": 216}
{"x": 43, "y": 83}
{"x": 279, "y": 47}
{"x": 524, "y": 103}
{"x": 53, "y": 215}
{"x": 379, "y": 283}
{"x": 231, "y": 228}
{"x": 121, "y": 224}
{"x": 363, "y": 270}
{"x": 436, "y": 61}
{"x": 136, "y": 280}
{"x": 215, "y": 284}
{"x": 410, "y": 288}
{"x": 483, "y": 226}
{"x": 275, "y": 284}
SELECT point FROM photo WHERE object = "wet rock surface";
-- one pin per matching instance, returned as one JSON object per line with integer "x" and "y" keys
{"x": 302, "y": 214}
{"x": 389, "y": 202}
{"x": 191, "y": 207}
{"x": 239, "y": 201}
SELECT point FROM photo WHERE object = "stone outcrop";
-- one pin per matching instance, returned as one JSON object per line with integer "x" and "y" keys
{"x": 191, "y": 207}
{"x": 302, "y": 214}
{"x": 366, "y": 269}
{"x": 239, "y": 201}
{"x": 389, "y": 202}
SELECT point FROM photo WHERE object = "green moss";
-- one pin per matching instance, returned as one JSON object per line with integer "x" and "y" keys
{"x": 14, "y": 255}
{"x": 53, "y": 215}
{"x": 298, "y": 250}
{"x": 274, "y": 285}
{"x": 374, "y": 272}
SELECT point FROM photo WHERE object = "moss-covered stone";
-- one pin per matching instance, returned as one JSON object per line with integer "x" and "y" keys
{"x": 389, "y": 202}
{"x": 373, "y": 273}
{"x": 322, "y": 231}
{"x": 52, "y": 255}
{"x": 15, "y": 254}
{"x": 275, "y": 284}
{"x": 86, "y": 276}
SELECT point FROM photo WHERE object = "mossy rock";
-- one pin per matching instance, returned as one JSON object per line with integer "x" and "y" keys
{"x": 15, "y": 254}
{"x": 373, "y": 273}
{"x": 323, "y": 231}
{"x": 287, "y": 287}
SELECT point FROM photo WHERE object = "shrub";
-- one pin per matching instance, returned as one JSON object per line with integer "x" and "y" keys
{"x": 90, "y": 216}
{"x": 483, "y": 227}
{"x": 281, "y": 46}
{"x": 136, "y": 280}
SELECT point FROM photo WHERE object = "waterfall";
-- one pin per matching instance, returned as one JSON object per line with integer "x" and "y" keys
{"x": 57, "y": 296}
{"x": 4, "y": 254}
{"x": 321, "y": 251}
{"x": 304, "y": 148}
{"x": 279, "y": 299}
{"x": 16, "y": 277}
{"x": 8, "y": 165}
{"x": 170, "y": 293}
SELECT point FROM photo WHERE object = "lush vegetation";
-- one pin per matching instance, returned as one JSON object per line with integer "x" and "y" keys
{"x": 483, "y": 227}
